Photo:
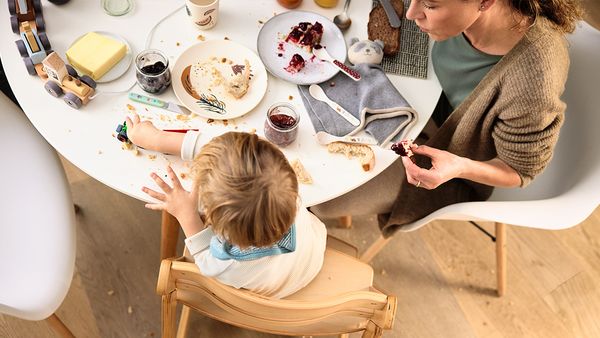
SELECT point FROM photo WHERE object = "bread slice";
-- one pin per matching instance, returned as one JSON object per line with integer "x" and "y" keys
{"x": 364, "y": 153}
{"x": 301, "y": 173}
{"x": 379, "y": 27}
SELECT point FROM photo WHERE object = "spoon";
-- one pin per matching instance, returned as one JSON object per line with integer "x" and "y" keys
{"x": 325, "y": 138}
{"x": 320, "y": 52}
{"x": 342, "y": 20}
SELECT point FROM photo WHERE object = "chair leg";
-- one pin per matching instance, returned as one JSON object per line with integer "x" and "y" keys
{"x": 59, "y": 327}
{"x": 183, "y": 322}
{"x": 344, "y": 335}
{"x": 168, "y": 312}
{"x": 345, "y": 222}
{"x": 169, "y": 235}
{"x": 374, "y": 249}
{"x": 501, "y": 257}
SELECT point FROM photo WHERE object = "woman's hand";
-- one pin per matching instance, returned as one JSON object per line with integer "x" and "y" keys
{"x": 445, "y": 166}
{"x": 177, "y": 201}
{"x": 142, "y": 133}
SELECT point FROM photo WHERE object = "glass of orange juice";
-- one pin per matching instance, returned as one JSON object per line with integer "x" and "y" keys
{"x": 326, "y": 3}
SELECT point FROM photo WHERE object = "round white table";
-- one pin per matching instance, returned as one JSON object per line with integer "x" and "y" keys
{"x": 86, "y": 137}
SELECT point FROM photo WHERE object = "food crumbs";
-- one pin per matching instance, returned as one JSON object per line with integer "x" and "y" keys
{"x": 290, "y": 97}
{"x": 177, "y": 44}
{"x": 146, "y": 109}
{"x": 235, "y": 128}
{"x": 260, "y": 22}
{"x": 130, "y": 107}
{"x": 152, "y": 156}
{"x": 99, "y": 152}
{"x": 135, "y": 151}
{"x": 226, "y": 38}
{"x": 223, "y": 60}
{"x": 183, "y": 176}
{"x": 110, "y": 292}
{"x": 331, "y": 84}
{"x": 225, "y": 122}
{"x": 200, "y": 37}
{"x": 209, "y": 121}
{"x": 129, "y": 309}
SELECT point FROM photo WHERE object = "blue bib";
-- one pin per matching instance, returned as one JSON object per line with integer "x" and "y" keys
{"x": 223, "y": 250}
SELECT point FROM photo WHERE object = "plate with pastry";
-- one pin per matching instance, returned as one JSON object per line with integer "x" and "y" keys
{"x": 286, "y": 41}
{"x": 219, "y": 79}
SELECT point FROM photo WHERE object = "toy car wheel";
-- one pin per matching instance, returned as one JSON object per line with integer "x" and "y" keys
{"x": 53, "y": 88}
{"x": 29, "y": 65}
{"x": 37, "y": 6}
{"x": 44, "y": 40}
{"x": 21, "y": 47}
{"x": 72, "y": 71}
{"x": 12, "y": 7}
{"x": 59, "y": 2}
{"x": 49, "y": 51}
{"x": 14, "y": 24}
{"x": 88, "y": 81}
{"x": 39, "y": 22}
{"x": 73, "y": 101}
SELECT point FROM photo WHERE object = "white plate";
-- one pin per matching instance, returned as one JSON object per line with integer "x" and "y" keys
{"x": 219, "y": 49}
{"x": 121, "y": 67}
{"x": 274, "y": 32}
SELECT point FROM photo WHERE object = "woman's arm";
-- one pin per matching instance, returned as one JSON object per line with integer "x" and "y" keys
{"x": 446, "y": 166}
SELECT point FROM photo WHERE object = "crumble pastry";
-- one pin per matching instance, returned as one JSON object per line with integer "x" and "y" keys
{"x": 364, "y": 153}
{"x": 301, "y": 173}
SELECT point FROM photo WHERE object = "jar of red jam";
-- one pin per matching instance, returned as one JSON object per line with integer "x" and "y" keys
{"x": 281, "y": 124}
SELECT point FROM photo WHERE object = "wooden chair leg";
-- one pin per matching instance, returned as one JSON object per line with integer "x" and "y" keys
{"x": 59, "y": 327}
{"x": 374, "y": 249}
{"x": 345, "y": 222}
{"x": 169, "y": 235}
{"x": 168, "y": 312}
{"x": 183, "y": 322}
{"x": 501, "y": 257}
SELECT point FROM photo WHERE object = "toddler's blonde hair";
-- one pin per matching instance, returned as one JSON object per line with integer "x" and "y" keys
{"x": 247, "y": 187}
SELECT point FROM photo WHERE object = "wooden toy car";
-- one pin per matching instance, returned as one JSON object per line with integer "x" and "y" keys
{"x": 24, "y": 11}
{"x": 122, "y": 132}
{"x": 62, "y": 78}
{"x": 33, "y": 48}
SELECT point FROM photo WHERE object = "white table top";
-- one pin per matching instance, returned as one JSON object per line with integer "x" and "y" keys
{"x": 86, "y": 137}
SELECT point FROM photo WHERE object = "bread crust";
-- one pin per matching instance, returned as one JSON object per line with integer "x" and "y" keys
{"x": 379, "y": 27}
{"x": 363, "y": 152}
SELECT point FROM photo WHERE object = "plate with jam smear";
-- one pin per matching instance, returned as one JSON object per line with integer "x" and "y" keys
{"x": 219, "y": 79}
{"x": 285, "y": 44}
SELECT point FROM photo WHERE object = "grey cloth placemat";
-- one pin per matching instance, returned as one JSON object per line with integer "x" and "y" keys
{"x": 381, "y": 109}
{"x": 414, "y": 48}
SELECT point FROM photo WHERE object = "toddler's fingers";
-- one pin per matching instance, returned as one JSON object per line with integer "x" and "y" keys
{"x": 159, "y": 181}
{"x": 154, "y": 194}
{"x": 174, "y": 178}
{"x": 128, "y": 122}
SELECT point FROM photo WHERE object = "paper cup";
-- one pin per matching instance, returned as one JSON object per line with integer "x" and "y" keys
{"x": 203, "y": 12}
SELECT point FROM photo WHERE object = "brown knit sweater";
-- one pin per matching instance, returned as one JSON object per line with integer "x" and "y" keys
{"x": 515, "y": 113}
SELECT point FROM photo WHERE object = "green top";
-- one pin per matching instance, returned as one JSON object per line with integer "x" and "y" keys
{"x": 460, "y": 67}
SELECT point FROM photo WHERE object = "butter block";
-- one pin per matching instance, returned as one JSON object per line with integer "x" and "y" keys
{"x": 95, "y": 54}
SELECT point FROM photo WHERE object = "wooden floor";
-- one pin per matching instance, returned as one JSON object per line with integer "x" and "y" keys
{"x": 443, "y": 275}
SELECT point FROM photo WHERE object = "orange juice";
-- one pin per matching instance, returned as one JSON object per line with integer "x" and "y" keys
{"x": 326, "y": 3}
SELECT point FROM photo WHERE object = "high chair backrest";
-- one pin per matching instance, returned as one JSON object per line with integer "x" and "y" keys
{"x": 340, "y": 300}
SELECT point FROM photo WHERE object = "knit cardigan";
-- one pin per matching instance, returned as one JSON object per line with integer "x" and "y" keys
{"x": 514, "y": 113}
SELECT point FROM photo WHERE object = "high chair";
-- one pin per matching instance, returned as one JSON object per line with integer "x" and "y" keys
{"x": 341, "y": 299}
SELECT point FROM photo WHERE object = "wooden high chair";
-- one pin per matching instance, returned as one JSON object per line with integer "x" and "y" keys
{"x": 340, "y": 300}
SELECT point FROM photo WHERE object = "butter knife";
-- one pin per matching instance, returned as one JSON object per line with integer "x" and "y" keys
{"x": 391, "y": 13}
{"x": 318, "y": 93}
{"x": 159, "y": 103}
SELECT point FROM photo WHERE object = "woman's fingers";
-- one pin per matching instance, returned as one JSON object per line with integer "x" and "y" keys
{"x": 155, "y": 194}
{"x": 155, "y": 206}
{"x": 159, "y": 181}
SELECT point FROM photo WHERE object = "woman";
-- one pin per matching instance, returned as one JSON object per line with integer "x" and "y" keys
{"x": 502, "y": 65}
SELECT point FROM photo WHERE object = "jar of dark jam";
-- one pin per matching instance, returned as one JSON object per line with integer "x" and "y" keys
{"x": 281, "y": 124}
{"x": 152, "y": 71}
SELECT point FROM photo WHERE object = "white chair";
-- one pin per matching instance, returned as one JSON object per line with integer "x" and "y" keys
{"x": 569, "y": 190}
{"x": 37, "y": 223}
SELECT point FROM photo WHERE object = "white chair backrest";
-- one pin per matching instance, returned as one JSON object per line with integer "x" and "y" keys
{"x": 569, "y": 190}
{"x": 37, "y": 221}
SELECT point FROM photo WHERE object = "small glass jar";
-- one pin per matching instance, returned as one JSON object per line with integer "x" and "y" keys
{"x": 117, "y": 7}
{"x": 327, "y": 3}
{"x": 289, "y": 3}
{"x": 281, "y": 124}
{"x": 152, "y": 71}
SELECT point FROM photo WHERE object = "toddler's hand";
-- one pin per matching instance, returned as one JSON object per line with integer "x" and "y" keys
{"x": 177, "y": 201}
{"x": 142, "y": 133}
